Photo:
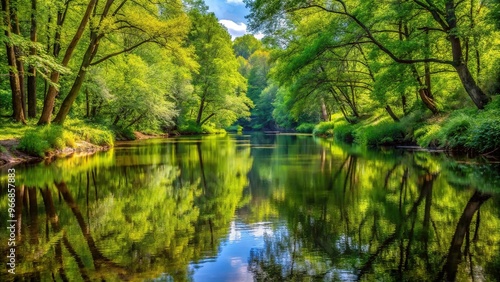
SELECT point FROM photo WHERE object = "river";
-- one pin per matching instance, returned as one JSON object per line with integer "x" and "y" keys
{"x": 254, "y": 208}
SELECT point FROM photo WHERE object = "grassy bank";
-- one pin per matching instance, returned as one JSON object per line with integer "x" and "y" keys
{"x": 468, "y": 129}
{"x": 41, "y": 141}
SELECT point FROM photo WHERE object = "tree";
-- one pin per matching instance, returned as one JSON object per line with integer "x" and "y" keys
{"x": 218, "y": 85}
{"x": 246, "y": 45}
{"x": 15, "y": 83}
{"x": 164, "y": 24}
{"x": 443, "y": 20}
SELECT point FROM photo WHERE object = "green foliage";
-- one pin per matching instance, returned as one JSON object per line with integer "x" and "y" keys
{"x": 97, "y": 136}
{"x": 124, "y": 133}
{"x": 190, "y": 127}
{"x": 485, "y": 135}
{"x": 235, "y": 128}
{"x": 211, "y": 128}
{"x": 40, "y": 140}
{"x": 426, "y": 136}
{"x": 93, "y": 133}
{"x": 383, "y": 133}
{"x": 344, "y": 131}
{"x": 246, "y": 45}
{"x": 306, "y": 127}
{"x": 325, "y": 128}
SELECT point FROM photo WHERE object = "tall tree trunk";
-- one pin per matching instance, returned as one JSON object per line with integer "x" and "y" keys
{"x": 19, "y": 53}
{"x": 32, "y": 69}
{"x": 475, "y": 92}
{"x": 324, "y": 112}
{"x": 48, "y": 105}
{"x": 77, "y": 84}
{"x": 92, "y": 48}
{"x": 391, "y": 113}
{"x": 200, "y": 111}
{"x": 17, "y": 105}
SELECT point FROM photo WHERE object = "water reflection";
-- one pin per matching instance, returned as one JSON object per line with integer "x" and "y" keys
{"x": 258, "y": 207}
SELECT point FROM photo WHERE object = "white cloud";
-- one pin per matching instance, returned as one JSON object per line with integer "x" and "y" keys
{"x": 238, "y": 2}
{"x": 235, "y": 29}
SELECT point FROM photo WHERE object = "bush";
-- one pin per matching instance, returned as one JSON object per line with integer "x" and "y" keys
{"x": 485, "y": 135}
{"x": 40, "y": 140}
{"x": 324, "y": 128}
{"x": 428, "y": 135}
{"x": 305, "y": 127}
{"x": 32, "y": 143}
{"x": 235, "y": 128}
{"x": 190, "y": 128}
{"x": 124, "y": 133}
{"x": 454, "y": 133}
{"x": 344, "y": 132}
{"x": 384, "y": 133}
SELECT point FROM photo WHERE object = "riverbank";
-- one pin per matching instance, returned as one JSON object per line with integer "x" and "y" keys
{"x": 467, "y": 130}
{"x": 10, "y": 155}
{"x": 32, "y": 143}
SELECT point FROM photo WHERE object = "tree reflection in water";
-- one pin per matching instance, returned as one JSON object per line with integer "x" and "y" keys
{"x": 152, "y": 210}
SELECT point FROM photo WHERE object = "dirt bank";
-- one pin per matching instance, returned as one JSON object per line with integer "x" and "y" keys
{"x": 10, "y": 156}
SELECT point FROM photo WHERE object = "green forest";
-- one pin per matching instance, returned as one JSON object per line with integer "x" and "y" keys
{"x": 373, "y": 73}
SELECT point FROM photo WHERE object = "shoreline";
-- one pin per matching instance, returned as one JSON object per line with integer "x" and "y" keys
{"x": 11, "y": 156}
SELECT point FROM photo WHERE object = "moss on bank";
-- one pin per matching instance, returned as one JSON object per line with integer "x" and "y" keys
{"x": 467, "y": 129}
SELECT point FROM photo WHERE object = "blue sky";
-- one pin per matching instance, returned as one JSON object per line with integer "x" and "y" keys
{"x": 231, "y": 14}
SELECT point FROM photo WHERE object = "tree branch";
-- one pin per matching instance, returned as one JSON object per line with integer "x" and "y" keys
{"x": 119, "y": 52}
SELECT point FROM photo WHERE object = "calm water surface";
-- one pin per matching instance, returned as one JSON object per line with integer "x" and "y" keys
{"x": 255, "y": 208}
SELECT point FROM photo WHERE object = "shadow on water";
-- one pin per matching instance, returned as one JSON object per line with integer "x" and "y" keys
{"x": 156, "y": 209}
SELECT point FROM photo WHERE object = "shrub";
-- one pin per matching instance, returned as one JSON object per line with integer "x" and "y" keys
{"x": 428, "y": 135}
{"x": 190, "y": 128}
{"x": 485, "y": 135}
{"x": 33, "y": 143}
{"x": 305, "y": 127}
{"x": 384, "y": 133}
{"x": 344, "y": 132}
{"x": 124, "y": 133}
{"x": 40, "y": 140}
{"x": 324, "y": 128}
{"x": 235, "y": 128}
{"x": 454, "y": 132}
{"x": 94, "y": 134}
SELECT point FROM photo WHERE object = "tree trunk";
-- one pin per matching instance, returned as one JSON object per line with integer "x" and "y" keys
{"x": 32, "y": 69}
{"x": 141, "y": 116}
{"x": 17, "y": 105}
{"x": 19, "y": 53}
{"x": 48, "y": 105}
{"x": 77, "y": 84}
{"x": 391, "y": 113}
{"x": 87, "y": 103}
{"x": 477, "y": 95}
{"x": 200, "y": 111}
{"x": 207, "y": 118}
{"x": 324, "y": 112}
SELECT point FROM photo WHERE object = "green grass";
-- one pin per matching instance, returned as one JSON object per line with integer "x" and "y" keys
{"x": 13, "y": 130}
{"x": 464, "y": 129}
{"x": 325, "y": 128}
{"x": 38, "y": 140}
